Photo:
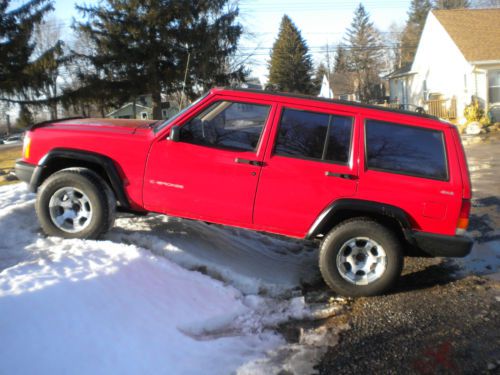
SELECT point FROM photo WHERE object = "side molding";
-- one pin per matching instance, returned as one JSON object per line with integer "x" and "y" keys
{"x": 360, "y": 206}
{"x": 85, "y": 156}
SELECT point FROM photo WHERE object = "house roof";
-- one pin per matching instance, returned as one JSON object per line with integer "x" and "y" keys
{"x": 476, "y": 32}
{"x": 125, "y": 106}
{"x": 403, "y": 71}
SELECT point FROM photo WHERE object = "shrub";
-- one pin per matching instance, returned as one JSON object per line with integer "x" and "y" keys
{"x": 474, "y": 113}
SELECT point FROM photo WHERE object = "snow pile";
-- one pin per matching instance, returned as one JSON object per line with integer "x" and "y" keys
{"x": 252, "y": 262}
{"x": 484, "y": 259}
{"x": 136, "y": 302}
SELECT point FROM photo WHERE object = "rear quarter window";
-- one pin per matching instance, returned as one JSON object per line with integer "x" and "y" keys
{"x": 404, "y": 149}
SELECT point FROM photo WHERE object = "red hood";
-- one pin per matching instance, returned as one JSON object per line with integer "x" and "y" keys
{"x": 101, "y": 124}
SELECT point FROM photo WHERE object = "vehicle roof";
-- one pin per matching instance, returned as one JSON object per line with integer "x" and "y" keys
{"x": 326, "y": 100}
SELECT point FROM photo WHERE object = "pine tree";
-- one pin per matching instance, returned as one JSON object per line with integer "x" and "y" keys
{"x": 22, "y": 75}
{"x": 419, "y": 9}
{"x": 290, "y": 66}
{"x": 321, "y": 71}
{"x": 341, "y": 60}
{"x": 25, "y": 118}
{"x": 142, "y": 47}
{"x": 365, "y": 54}
{"x": 451, "y": 4}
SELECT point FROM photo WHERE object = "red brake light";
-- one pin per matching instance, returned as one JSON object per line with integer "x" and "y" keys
{"x": 463, "y": 218}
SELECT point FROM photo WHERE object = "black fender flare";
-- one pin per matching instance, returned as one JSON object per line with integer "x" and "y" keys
{"x": 361, "y": 206}
{"x": 103, "y": 161}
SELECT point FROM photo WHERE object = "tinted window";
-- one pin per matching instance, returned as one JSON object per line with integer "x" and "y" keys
{"x": 226, "y": 124}
{"x": 314, "y": 135}
{"x": 405, "y": 149}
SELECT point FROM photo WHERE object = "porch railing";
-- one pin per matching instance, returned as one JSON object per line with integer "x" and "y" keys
{"x": 444, "y": 108}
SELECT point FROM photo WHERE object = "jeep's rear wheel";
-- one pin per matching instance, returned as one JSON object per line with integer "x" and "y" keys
{"x": 75, "y": 203}
{"x": 360, "y": 257}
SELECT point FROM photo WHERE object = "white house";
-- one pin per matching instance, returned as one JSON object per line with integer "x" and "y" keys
{"x": 458, "y": 57}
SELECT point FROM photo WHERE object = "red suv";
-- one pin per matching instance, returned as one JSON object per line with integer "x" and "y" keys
{"x": 371, "y": 184}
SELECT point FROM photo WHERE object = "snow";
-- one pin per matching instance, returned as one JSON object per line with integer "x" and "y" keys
{"x": 484, "y": 259}
{"x": 156, "y": 295}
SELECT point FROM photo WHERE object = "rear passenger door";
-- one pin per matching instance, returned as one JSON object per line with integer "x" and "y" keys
{"x": 308, "y": 163}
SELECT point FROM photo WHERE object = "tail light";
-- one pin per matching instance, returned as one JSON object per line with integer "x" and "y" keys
{"x": 463, "y": 218}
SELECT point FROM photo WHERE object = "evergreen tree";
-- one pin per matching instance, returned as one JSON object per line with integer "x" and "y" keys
{"x": 25, "y": 118}
{"x": 451, "y": 4}
{"x": 22, "y": 74}
{"x": 290, "y": 66}
{"x": 365, "y": 54}
{"x": 341, "y": 60}
{"x": 142, "y": 47}
{"x": 419, "y": 9}
{"x": 321, "y": 71}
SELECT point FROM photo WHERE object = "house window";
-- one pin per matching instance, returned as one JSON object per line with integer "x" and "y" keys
{"x": 494, "y": 86}
{"x": 144, "y": 115}
{"x": 164, "y": 113}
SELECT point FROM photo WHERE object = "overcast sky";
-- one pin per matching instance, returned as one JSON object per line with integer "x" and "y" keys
{"x": 320, "y": 21}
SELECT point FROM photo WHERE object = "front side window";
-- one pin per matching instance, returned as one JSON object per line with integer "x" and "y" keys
{"x": 312, "y": 135}
{"x": 405, "y": 150}
{"x": 225, "y": 124}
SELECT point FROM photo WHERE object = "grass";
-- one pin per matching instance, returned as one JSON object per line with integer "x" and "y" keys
{"x": 7, "y": 160}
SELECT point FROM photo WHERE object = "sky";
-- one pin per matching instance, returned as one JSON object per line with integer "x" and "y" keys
{"x": 321, "y": 22}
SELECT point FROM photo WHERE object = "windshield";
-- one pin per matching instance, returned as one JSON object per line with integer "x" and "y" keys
{"x": 172, "y": 119}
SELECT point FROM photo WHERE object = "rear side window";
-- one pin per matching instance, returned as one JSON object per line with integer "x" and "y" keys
{"x": 229, "y": 125}
{"x": 312, "y": 135}
{"x": 405, "y": 149}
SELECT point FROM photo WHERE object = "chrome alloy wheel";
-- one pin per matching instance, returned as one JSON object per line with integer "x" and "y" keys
{"x": 70, "y": 210}
{"x": 361, "y": 261}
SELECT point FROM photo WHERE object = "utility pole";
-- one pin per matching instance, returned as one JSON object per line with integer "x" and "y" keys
{"x": 185, "y": 79}
{"x": 8, "y": 124}
{"x": 328, "y": 72}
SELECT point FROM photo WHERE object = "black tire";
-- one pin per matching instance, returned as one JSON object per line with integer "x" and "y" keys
{"x": 100, "y": 197}
{"x": 338, "y": 239}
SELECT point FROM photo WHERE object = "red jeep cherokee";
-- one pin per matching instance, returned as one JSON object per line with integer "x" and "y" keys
{"x": 370, "y": 183}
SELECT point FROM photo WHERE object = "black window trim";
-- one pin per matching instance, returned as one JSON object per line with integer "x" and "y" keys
{"x": 447, "y": 179}
{"x": 330, "y": 114}
{"x": 228, "y": 148}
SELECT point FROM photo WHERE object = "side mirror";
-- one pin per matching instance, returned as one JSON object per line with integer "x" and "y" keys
{"x": 175, "y": 133}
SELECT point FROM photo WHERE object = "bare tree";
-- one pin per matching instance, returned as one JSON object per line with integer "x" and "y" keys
{"x": 47, "y": 38}
{"x": 392, "y": 38}
{"x": 485, "y": 3}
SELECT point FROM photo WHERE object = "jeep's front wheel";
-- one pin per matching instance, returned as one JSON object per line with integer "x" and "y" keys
{"x": 75, "y": 203}
{"x": 360, "y": 257}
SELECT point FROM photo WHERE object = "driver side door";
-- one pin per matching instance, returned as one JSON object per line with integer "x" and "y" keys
{"x": 211, "y": 172}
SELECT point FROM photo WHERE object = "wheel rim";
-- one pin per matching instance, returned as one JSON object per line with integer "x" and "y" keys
{"x": 70, "y": 209}
{"x": 361, "y": 261}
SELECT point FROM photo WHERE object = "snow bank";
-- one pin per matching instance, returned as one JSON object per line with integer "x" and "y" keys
{"x": 252, "y": 262}
{"x": 137, "y": 303}
{"x": 484, "y": 259}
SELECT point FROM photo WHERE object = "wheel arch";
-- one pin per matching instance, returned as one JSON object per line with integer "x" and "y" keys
{"x": 343, "y": 209}
{"x": 62, "y": 158}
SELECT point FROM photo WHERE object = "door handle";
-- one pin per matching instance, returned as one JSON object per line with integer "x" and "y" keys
{"x": 341, "y": 175}
{"x": 247, "y": 161}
